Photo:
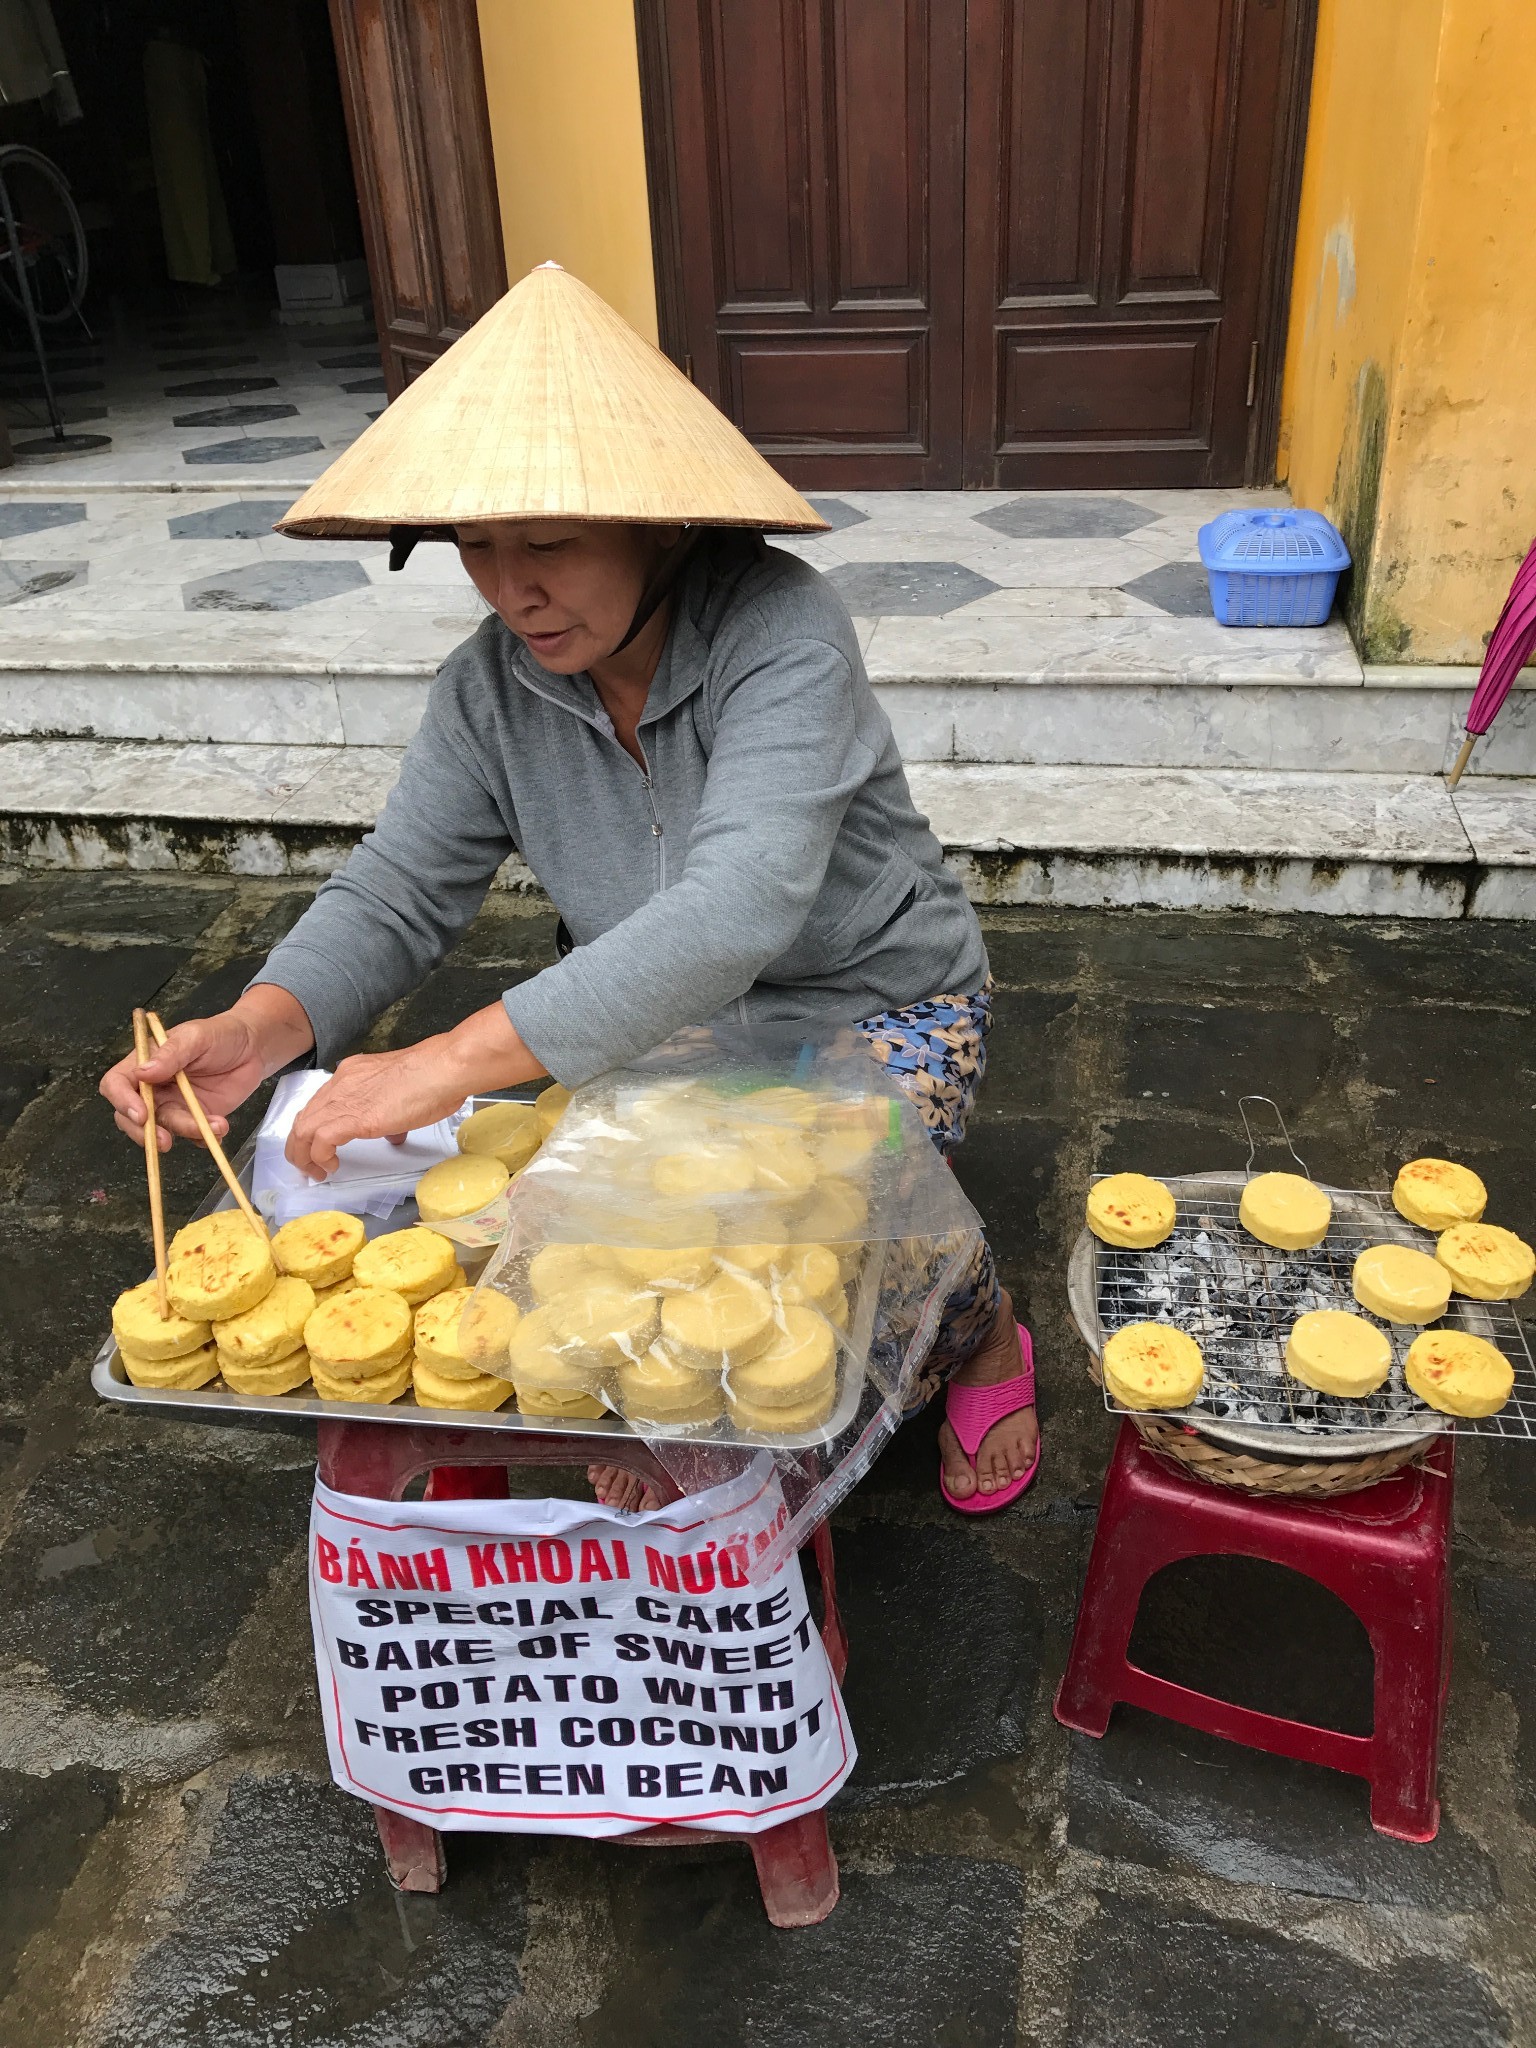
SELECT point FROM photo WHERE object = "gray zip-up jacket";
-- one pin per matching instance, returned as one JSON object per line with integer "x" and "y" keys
{"x": 769, "y": 858}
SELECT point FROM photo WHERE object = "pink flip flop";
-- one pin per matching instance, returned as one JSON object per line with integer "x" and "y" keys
{"x": 972, "y": 1411}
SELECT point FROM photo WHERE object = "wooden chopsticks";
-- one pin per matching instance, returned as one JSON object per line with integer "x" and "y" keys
{"x": 152, "y": 1161}
{"x": 199, "y": 1117}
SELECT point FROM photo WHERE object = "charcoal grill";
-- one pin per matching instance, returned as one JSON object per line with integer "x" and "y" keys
{"x": 1238, "y": 1299}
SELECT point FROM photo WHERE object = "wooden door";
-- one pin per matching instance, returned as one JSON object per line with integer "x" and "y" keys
{"x": 414, "y": 92}
{"x": 1122, "y": 157}
{"x": 1120, "y": 238}
{"x": 815, "y": 158}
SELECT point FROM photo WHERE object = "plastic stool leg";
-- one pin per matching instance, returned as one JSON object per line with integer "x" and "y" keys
{"x": 1409, "y": 1708}
{"x": 412, "y": 1851}
{"x": 796, "y": 1871}
{"x": 833, "y": 1635}
{"x": 1093, "y": 1682}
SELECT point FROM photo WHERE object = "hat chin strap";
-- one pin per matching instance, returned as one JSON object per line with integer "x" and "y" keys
{"x": 403, "y": 540}
{"x": 659, "y": 586}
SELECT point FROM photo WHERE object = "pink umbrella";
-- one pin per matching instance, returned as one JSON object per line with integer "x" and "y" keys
{"x": 1509, "y": 648}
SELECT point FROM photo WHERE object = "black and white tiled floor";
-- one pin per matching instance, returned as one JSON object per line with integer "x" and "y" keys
{"x": 892, "y": 555}
{"x": 221, "y": 390}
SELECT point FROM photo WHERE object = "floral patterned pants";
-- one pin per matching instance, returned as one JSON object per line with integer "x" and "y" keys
{"x": 936, "y": 1053}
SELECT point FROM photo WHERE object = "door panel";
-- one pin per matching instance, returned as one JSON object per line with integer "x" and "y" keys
{"x": 414, "y": 94}
{"x": 1057, "y": 385}
{"x": 818, "y": 186}
{"x": 1181, "y": 112}
{"x": 1114, "y": 272}
{"x": 1052, "y": 159}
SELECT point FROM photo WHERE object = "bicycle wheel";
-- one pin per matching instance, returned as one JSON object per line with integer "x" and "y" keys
{"x": 48, "y": 232}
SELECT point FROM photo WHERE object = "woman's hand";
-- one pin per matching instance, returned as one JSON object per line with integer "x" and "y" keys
{"x": 386, "y": 1094}
{"x": 225, "y": 1058}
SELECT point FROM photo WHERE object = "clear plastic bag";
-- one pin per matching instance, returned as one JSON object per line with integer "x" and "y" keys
{"x": 741, "y": 1242}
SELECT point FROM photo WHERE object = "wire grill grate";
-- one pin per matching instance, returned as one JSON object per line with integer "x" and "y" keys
{"x": 1238, "y": 1299}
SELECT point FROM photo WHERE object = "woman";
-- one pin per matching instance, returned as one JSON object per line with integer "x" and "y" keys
{"x": 672, "y": 725}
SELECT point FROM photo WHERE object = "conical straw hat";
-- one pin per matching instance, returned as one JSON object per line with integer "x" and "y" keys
{"x": 550, "y": 407}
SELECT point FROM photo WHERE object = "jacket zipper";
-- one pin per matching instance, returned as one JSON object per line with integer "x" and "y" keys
{"x": 656, "y": 832}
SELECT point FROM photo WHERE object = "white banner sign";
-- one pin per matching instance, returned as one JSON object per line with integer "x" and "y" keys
{"x": 552, "y": 1667}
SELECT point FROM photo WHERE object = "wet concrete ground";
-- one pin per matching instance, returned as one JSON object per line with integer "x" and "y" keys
{"x": 178, "y": 1871}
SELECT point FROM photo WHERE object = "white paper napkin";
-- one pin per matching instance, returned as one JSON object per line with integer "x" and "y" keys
{"x": 373, "y": 1178}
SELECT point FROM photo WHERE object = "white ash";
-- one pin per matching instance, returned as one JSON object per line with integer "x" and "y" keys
{"x": 1238, "y": 1301}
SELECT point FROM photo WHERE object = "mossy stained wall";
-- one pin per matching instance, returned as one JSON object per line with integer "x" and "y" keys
{"x": 1410, "y": 382}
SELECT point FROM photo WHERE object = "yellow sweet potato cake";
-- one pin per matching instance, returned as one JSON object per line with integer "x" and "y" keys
{"x": 459, "y": 1187}
{"x": 416, "y": 1263}
{"x": 485, "y": 1317}
{"x": 656, "y": 1388}
{"x": 285, "y": 1376}
{"x": 366, "y": 1331}
{"x": 1285, "y": 1211}
{"x": 441, "y": 1390}
{"x": 722, "y": 1324}
{"x": 191, "y": 1369}
{"x": 272, "y": 1329}
{"x": 798, "y": 1367}
{"x": 138, "y": 1327}
{"x": 1486, "y": 1262}
{"x": 218, "y": 1276}
{"x": 1334, "y": 1352}
{"x": 1152, "y": 1365}
{"x": 1131, "y": 1210}
{"x": 1401, "y": 1285}
{"x": 379, "y": 1389}
{"x": 319, "y": 1247}
{"x": 509, "y": 1132}
{"x": 1435, "y": 1193}
{"x": 1458, "y": 1373}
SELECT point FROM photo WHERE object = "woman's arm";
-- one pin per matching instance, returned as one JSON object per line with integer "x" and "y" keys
{"x": 224, "y": 1057}
{"x": 386, "y": 1094}
{"x": 376, "y": 1095}
{"x": 380, "y": 925}
{"x": 374, "y": 930}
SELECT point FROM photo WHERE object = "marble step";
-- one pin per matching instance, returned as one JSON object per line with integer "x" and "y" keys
{"x": 1051, "y": 692}
{"x": 1351, "y": 844}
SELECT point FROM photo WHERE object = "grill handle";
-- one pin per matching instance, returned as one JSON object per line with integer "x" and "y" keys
{"x": 1253, "y": 1143}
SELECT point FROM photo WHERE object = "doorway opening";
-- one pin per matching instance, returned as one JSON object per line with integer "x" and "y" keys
{"x": 218, "y": 317}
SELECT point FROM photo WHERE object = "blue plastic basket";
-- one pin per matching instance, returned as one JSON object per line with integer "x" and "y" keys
{"x": 1272, "y": 568}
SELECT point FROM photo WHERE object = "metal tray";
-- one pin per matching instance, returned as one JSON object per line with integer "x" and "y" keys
{"x": 215, "y": 1403}
{"x": 1244, "y": 1290}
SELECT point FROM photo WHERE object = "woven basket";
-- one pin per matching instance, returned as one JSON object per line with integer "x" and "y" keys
{"x": 1301, "y": 1479}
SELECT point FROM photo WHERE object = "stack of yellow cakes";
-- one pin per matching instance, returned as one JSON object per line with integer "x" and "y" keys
{"x": 261, "y": 1351}
{"x": 318, "y": 1303}
{"x": 174, "y": 1351}
{"x": 219, "y": 1269}
{"x": 361, "y": 1338}
{"x": 461, "y": 1341}
{"x": 360, "y": 1346}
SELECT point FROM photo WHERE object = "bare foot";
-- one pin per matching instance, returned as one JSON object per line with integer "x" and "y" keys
{"x": 617, "y": 1487}
{"x": 1007, "y": 1449}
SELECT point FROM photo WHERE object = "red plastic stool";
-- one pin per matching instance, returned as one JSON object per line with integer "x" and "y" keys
{"x": 796, "y": 1870}
{"x": 1383, "y": 1551}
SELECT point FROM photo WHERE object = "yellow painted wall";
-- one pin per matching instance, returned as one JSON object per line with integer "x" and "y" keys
{"x": 1410, "y": 385}
{"x": 563, "y": 84}
{"x": 1458, "y": 506}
